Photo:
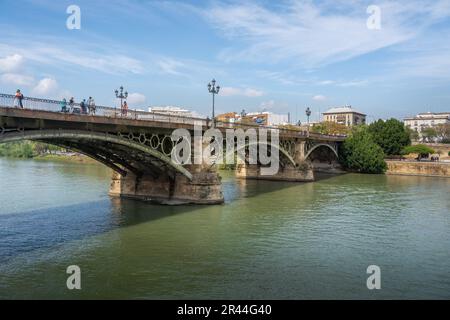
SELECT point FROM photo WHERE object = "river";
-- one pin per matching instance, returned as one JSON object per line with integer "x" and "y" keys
{"x": 270, "y": 240}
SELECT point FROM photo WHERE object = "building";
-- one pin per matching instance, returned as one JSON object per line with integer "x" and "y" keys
{"x": 344, "y": 115}
{"x": 229, "y": 117}
{"x": 266, "y": 118}
{"x": 427, "y": 120}
{"x": 172, "y": 111}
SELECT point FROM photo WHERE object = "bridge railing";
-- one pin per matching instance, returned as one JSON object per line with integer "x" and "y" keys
{"x": 8, "y": 101}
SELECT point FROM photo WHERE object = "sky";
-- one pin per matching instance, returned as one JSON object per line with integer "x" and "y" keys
{"x": 384, "y": 58}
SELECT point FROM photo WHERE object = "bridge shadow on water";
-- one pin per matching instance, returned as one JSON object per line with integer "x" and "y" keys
{"x": 25, "y": 232}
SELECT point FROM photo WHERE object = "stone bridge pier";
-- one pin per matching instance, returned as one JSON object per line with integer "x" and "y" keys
{"x": 299, "y": 160}
{"x": 204, "y": 186}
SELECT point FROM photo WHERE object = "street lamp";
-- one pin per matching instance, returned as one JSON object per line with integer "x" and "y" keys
{"x": 213, "y": 89}
{"x": 121, "y": 95}
{"x": 308, "y": 113}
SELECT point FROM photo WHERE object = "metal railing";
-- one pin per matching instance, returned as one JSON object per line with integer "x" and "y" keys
{"x": 8, "y": 101}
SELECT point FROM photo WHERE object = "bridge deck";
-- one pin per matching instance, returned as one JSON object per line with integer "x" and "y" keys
{"x": 45, "y": 114}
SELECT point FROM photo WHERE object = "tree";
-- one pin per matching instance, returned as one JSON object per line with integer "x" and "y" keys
{"x": 443, "y": 132}
{"x": 391, "y": 135}
{"x": 328, "y": 127}
{"x": 422, "y": 150}
{"x": 360, "y": 153}
{"x": 429, "y": 134}
{"x": 413, "y": 134}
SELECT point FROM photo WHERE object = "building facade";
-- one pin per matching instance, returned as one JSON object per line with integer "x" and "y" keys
{"x": 427, "y": 120}
{"x": 266, "y": 118}
{"x": 344, "y": 115}
{"x": 257, "y": 118}
{"x": 172, "y": 111}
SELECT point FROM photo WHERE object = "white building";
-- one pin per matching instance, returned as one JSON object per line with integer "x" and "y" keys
{"x": 172, "y": 111}
{"x": 266, "y": 118}
{"x": 426, "y": 120}
{"x": 344, "y": 115}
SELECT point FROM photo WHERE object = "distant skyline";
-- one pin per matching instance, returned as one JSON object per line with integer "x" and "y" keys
{"x": 279, "y": 56}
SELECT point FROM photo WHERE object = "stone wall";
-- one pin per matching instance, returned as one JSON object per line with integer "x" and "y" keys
{"x": 414, "y": 168}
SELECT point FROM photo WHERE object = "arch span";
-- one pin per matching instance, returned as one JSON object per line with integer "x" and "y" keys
{"x": 71, "y": 139}
{"x": 281, "y": 150}
{"x": 321, "y": 145}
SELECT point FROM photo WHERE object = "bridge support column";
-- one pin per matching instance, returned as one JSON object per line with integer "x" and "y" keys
{"x": 204, "y": 188}
{"x": 301, "y": 173}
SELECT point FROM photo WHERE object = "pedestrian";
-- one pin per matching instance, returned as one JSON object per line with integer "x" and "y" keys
{"x": 125, "y": 108}
{"x": 83, "y": 106}
{"x": 64, "y": 105}
{"x": 18, "y": 99}
{"x": 72, "y": 105}
{"x": 91, "y": 105}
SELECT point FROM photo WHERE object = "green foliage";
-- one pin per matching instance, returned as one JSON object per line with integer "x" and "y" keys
{"x": 429, "y": 133}
{"x": 331, "y": 128}
{"x": 390, "y": 135}
{"x": 17, "y": 149}
{"x": 360, "y": 153}
{"x": 419, "y": 149}
{"x": 413, "y": 134}
{"x": 26, "y": 149}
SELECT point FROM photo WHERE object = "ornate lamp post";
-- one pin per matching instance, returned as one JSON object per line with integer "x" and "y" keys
{"x": 213, "y": 89}
{"x": 121, "y": 95}
{"x": 308, "y": 114}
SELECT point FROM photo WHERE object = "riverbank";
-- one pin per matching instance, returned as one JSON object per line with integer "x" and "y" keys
{"x": 77, "y": 158}
{"x": 417, "y": 168}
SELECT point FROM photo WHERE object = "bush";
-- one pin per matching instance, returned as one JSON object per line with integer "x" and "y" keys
{"x": 361, "y": 154}
{"x": 420, "y": 149}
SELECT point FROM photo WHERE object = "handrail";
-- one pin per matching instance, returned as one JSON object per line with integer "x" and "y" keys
{"x": 8, "y": 101}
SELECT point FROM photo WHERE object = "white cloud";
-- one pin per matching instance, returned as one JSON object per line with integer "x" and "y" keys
{"x": 319, "y": 98}
{"x": 17, "y": 79}
{"x": 313, "y": 34}
{"x": 267, "y": 105}
{"x": 45, "y": 86}
{"x": 230, "y": 91}
{"x": 11, "y": 63}
{"x": 253, "y": 93}
{"x": 326, "y": 82}
{"x": 136, "y": 99}
{"x": 248, "y": 92}
{"x": 170, "y": 66}
{"x": 353, "y": 83}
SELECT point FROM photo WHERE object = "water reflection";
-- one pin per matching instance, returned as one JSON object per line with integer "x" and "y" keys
{"x": 269, "y": 240}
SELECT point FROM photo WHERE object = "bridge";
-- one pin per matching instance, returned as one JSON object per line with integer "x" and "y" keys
{"x": 137, "y": 146}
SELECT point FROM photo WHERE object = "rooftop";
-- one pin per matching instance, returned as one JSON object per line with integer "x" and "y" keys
{"x": 346, "y": 109}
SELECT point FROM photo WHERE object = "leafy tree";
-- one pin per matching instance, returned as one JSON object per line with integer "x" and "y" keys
{"x": 429, "y": 134}
{"x": 360, "y": 153}
{"x": 422, "y": 150}
{"x": 443, "y": 132}
{"x": 413, "y": 134}
{"x": 328, "y": 127}
{"x": 391, "y": 135}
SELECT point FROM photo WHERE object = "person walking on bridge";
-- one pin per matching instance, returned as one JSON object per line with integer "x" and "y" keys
{"x": 125, "y": 109}
{"x": 18, "y": 98}
{"x": 83, "y": 106}
{"x": 64, "y": 105}
{"x": 91, "y": 106}
{"x": 72, "y": 105}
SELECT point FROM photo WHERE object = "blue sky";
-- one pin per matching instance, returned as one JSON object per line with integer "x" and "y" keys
{"x": 281, "y": 56}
